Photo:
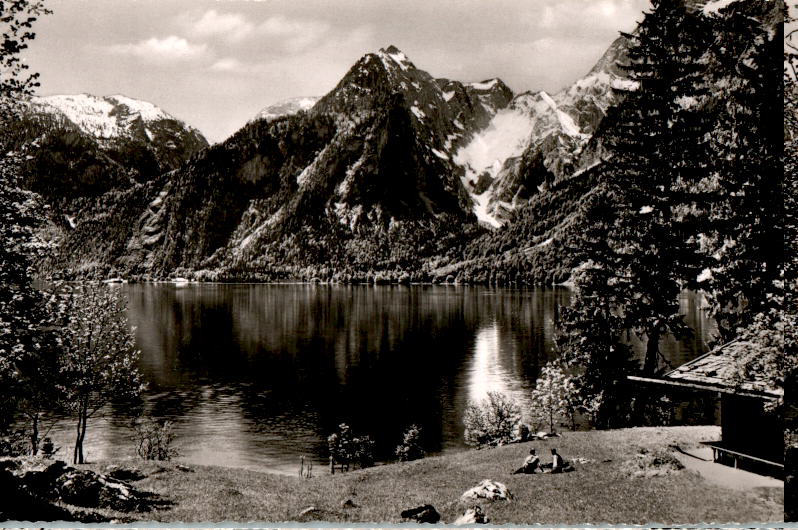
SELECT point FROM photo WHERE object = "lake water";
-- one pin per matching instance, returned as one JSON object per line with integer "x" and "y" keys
{"x": 257, "y": 376}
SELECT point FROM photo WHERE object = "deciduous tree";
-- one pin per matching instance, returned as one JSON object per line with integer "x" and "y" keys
{"x": 99, "y": 361}
{"x": 26, "y": 360}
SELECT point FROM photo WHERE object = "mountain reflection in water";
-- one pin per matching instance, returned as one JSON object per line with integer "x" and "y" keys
{"x": 258, "y": 375}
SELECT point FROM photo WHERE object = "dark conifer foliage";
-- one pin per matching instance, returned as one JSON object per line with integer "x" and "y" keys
{"x": 694, "y": 194}
{"x": 746, "y": 238}
{"x": 642, "y": 141}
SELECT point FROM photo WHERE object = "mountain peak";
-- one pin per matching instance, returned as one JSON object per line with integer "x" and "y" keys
{"x": 395, "y": 55}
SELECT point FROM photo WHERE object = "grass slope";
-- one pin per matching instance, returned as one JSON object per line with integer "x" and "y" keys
{"x": 596, "y": 492}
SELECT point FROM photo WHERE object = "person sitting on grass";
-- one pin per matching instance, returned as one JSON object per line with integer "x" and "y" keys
{"x": 558, "y": 465}
{"x": 531, "y": 464}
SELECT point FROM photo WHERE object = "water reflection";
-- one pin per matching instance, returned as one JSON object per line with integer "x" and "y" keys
{"x": 258, "y": 375}
{"x": 493, "y": 367}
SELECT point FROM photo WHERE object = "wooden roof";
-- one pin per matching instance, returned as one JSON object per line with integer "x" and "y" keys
{"x": 714, "y": 371}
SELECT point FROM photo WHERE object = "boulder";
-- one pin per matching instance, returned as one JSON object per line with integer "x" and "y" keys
{"x": 422, "y": 514}
{"x": 473, "y": 515}
{"x": 127, "y": 474}
{"x": 522, "y": 433}
{"x": 490, "y": 490}
{"x": 93, "y": 490}
{"x": 40, "y": 475}
{"x": 29, "y": 487}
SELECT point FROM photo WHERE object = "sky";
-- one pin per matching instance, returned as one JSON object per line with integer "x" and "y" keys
{"x": 215, "y": 64}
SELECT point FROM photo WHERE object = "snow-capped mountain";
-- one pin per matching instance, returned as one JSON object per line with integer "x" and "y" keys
{"x": 446, "y": 112}
{"x": 537, "y": 139}
{"x": 85, "y": 144}
{"x": 286, "y": 107}
{"x": 111, "y": 117}
{"x": 370, "y": 161}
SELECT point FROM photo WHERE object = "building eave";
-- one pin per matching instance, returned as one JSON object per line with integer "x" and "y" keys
{"x": 736, "y": 391}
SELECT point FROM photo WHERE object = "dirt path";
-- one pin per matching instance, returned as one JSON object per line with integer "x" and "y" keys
{"x": 728, "y": 477}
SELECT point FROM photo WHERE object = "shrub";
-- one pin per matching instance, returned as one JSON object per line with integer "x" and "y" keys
{"x": 154, "y": 440}
{"x": 410, "y": 448}
{"x": 491, "y": 422}
{"x": 346, "y": 449}
{"x": 15, "y": 443}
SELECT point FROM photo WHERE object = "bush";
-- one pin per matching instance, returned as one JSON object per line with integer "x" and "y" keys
{"x": 346, "y": 449}
{"x": 15, "y": 443}
{"x": 154, "y": 440}
{"x": 491, "y": 422}
{"x": 410, "y": 449}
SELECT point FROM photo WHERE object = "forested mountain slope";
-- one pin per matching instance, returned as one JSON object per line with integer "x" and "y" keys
{"x": 397, "y": 175}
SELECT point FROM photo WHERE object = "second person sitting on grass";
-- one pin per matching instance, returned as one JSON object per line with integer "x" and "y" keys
{"x": 531, "y": 464}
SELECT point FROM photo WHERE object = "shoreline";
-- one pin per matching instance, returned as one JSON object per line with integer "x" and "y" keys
{"x": 621, "y": 476}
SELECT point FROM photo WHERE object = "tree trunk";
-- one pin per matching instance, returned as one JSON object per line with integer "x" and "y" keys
{"x": 77, "y": 439}
{"x": 652, "y": 354}
{"x": 34, "y": 435}
{"x": 83, "y": 431}
{"x": 77, "y": 457}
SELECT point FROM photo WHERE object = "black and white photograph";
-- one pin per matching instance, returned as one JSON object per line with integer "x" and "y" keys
{"x": 398, "y": 262}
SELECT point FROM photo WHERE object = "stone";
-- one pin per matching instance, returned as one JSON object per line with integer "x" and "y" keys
{"x": 41, "y": 475}
{"x": 522, "y": 433}
{"x": 473, "y": 515}
{"x": 422, "y": 514}
{"x": 348, "y": 503}
{"x": 38, "y": 483}
{"x": 126, "y": 474}
{"x": 307, "y": 511}
{"x": 490, "y": 490}
{"x": 93, "y": 490}
{"x": 183, "y": 468}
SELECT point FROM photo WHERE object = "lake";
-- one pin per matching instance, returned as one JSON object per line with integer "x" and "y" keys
{"x": 257, "y": 376}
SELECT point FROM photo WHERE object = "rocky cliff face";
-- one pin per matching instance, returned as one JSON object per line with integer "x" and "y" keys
{"x": 539, "y": 139}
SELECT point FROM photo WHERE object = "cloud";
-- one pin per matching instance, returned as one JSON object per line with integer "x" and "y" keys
{"x": 571, "y": 17}
{"x": 278, "y": 33}
{"x": 295, "y": 35}
{"x": 167, "y": 49}
{"x": 234, "y": 66}
{"x": 231, "y": 26}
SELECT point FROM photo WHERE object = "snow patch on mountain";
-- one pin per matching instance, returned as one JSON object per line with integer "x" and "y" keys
{"x": 714, "y": 7}
{"x": 418, "y": 112}
{"x": 146, "y": 110}
{"x": 91, "y": 114}
{"x": 440, "y": 154}
{"x": 286, "y": 107}
{"x": 506, "y": 136}
{"x": 270, "y": 221}
{"x": 391, "y": 54}
{"x": 103, "y": 117}
{"x": 484, "y": 85}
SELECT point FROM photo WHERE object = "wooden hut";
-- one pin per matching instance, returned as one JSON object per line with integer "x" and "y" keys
{"x": 751, "y": 436}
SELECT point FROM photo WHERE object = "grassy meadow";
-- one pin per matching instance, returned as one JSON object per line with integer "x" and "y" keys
{"x": 601, "y": 490}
